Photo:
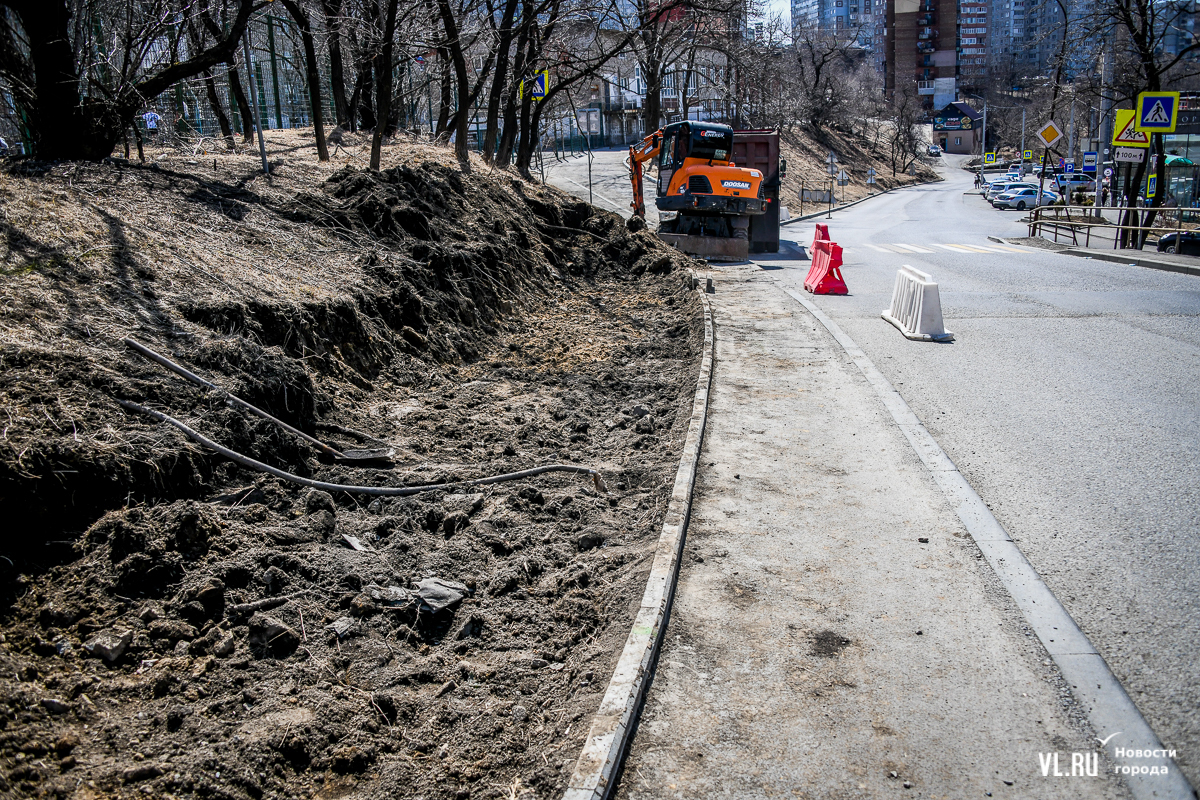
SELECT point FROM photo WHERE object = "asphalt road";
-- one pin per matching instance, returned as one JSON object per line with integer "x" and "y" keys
{"x": 1070, "y": 401}
{"x": 610, "y": 187}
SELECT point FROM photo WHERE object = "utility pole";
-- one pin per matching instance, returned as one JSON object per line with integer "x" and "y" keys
{"x": 983, "y": 144}
{"x": 1071, "y": 135}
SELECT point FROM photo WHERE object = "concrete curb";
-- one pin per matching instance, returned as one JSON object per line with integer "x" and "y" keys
{"x": 856, "y": 202}
{"x": 1108, "y": 706}
{"x": 608, "y": 737}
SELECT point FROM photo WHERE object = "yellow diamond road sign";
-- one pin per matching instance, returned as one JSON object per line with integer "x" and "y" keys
{"x": 1125, "y": 132}
{"x": 1049, "y": 134}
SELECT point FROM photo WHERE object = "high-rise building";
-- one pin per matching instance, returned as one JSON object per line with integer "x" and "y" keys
{"x": 921, "y": 47}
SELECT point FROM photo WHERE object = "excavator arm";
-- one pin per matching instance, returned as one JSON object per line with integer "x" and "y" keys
{"x": 638, "y": 154}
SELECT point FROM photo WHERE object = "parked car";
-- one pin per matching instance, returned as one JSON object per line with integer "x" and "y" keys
{"x": 1186, "y": 243}
{"x": 1000, "y": 187}
{"x": 1014, "y": 173}
{"x": 934, "y": 150}
{"x": 1074, "y": 182}
{"x": 1023, "y": 198}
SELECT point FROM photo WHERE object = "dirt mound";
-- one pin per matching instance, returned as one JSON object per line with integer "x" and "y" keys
{"x": 175, "y": 624}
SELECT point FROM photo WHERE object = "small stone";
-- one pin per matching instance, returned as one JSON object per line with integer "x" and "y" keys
{"x": 55, "y": 706}
{"x": 141, "y": 773}
{"x": 66, "y": 744}
{"x": 920, "y": 633}
{"x": 150, "y": 612}
{"x": 589, "y": 539}
{"x": 181, "y": 648}
{"x": 907, "y": 785}
{"x": 437, "y": 594}
{"x": 173, "y": 629}
{"x": 67, "y": 763}
{"x": 644, "y": 425}
{"x": 923, "y": 539}
{"x": 340, "y": 627}
{"x": 109, "y": 645}
{"x": 203, "y": 665}
{"x": 893, "y": 774}
{"x": 1008, "y": 783}
{"x": 520, "y": 713}
{"x": 638, "y": 411}
{"x": 225, "y": 645}
{"x": 447, "y": 688}
{"x": 317, "y": 500}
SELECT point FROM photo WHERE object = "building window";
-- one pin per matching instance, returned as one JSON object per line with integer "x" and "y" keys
{"x": 958, "y": 140}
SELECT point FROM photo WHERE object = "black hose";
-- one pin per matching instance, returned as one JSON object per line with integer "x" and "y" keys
{"x": 196, "y": 379}
{"x": 378, "y": 491}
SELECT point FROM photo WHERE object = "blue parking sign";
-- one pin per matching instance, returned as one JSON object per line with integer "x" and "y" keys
{"x": 1070, "y": 167}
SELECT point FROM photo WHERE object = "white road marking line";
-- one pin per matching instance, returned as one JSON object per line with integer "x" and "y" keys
{"x": 911, "y": 248}
{"x": 985, "y": 249}
{"x": 1108, "y": 706}
{"x": 1011, "y": 249}
{"x": 971, "y": 248}
{"x": 881, "y": 249}
{"x": 952, "y": 248}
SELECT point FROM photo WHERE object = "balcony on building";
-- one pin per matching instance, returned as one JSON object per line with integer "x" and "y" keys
{"x": 924, "y": 87}
{"x": 925, "y": 47}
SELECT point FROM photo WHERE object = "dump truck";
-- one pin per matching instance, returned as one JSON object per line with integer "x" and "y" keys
{"x": 705, "y": 200}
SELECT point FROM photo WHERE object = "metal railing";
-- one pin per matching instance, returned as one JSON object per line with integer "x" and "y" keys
{"x": 1055, "y": 221}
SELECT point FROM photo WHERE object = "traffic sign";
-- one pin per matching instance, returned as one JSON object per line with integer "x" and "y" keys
{"x": 1151, "y": 186}
{"x": 1108, "y": 172}
{"x": 1157, "y": 112}
{"x": 1070, "y": 166}
{"x": 1125, "y": 133}
{"x": 1049, "y": 134}
{"x": 540, "y": 86}
{"x": 1129, "y": 155}
{"x": 989, "y": 158}
{"x": 1028, "y": 154}
{"x": 1089, "y": 161}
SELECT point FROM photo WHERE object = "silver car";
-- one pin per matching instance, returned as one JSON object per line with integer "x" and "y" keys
{"x": 1000, "y": 187}
{"x": 1023, "y": 198}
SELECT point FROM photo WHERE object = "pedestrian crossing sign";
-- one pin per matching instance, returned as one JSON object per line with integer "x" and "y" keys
{"x": 1151, "y": 186}
{"x": 989, "y": 158}
{"x": 1028, "y": 154}
{"x": 1157, "y": 112}
{"x": 1125, "y": 134}
{"x": 1049, "y": 134}
{"x": 539, "y": 87}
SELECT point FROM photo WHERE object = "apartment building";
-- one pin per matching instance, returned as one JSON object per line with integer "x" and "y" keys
{"x": 922, "y": 46}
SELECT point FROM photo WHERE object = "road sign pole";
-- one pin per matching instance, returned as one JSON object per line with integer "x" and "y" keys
{"x": 1023, "y": 142}
{"x": 983, "y": 143}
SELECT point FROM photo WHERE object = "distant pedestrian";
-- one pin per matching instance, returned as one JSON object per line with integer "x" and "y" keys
{"x": 1104, "y": 196}
{"x": 151, "y": 119}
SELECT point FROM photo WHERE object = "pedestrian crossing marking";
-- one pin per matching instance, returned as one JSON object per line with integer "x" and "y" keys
{"x": 895, "y": 248}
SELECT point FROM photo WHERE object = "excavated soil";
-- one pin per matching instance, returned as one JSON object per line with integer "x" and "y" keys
{"x": 177, "y": 625}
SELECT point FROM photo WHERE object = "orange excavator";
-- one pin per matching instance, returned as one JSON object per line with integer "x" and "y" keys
{"x": 704, "y": 201}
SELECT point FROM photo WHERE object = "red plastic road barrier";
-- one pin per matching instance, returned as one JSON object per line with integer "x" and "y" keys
{"x": 821, "y": 234}
{"x": 825, "y": 274}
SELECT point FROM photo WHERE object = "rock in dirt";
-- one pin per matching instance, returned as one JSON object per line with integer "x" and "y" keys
{"x": 55, "y": 706}
{"x": 172, "y": 629}
{"x": 317, "y": 500}
{"x": 142, "y": 772}
{"x": 392, "y": 597}
{"x": 269, "y": 636}
{"x": 454, "y": 522}
{"x": 109, "y": 645}
{"x": 466, "y": 503}
{"x": 589, "y": 539}
{"x": 437, "y": 594}
{"x": 341, "y": 627}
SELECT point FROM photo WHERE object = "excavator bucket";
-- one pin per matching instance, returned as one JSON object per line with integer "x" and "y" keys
{"x": 710, "y": 248}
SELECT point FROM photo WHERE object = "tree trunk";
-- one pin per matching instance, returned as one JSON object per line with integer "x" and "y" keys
{"x": 332, "y": 10}
{"x": 499, "y": 78}
{"x": 214, "y": 100}
{"x": 444, "y": 100}
{"x": 239, "y": 97}
{"x": 314, "y": 75}
{"x": 460, "y": 78}
{"x": 508, "y": 134}
{"x": 383, "y": 79}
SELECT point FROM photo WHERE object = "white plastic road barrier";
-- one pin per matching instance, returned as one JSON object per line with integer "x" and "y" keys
{"x": 917, "y": 307}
